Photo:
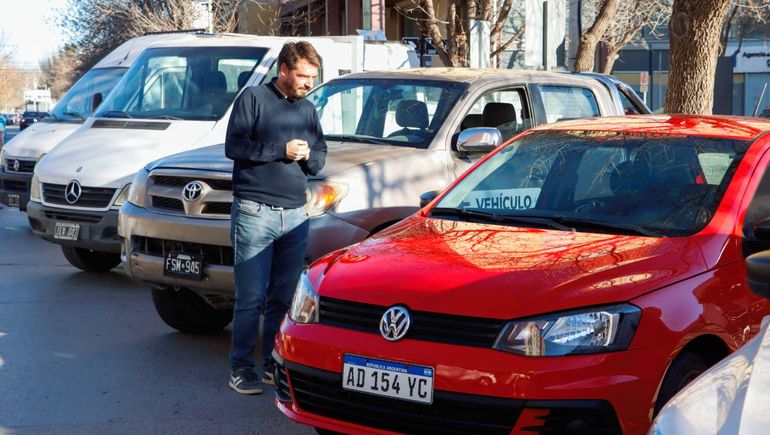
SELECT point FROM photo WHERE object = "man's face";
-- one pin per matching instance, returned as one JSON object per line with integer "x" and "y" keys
{"x": 297, "y": 82}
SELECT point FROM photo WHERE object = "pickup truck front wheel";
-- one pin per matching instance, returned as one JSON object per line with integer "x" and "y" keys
{"x": 90, "y": 261}
{"x": 184, "y": 310}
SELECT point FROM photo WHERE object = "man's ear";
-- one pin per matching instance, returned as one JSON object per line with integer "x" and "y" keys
{"x": 283, "y": 70}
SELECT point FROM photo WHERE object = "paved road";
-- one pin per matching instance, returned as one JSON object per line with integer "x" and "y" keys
{"x": 83, "y": 353}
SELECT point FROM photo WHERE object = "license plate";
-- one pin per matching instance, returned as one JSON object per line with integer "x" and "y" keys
{"x": 183, "y": 265}
{"x": 13, "y": 200}
{"x": 65, "y": 231}
{"x": 388, "y": 378}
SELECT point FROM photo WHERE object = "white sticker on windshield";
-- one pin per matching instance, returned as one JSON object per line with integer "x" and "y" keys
{"x": 714, "y": 166}
{"x": 502, "y": 199}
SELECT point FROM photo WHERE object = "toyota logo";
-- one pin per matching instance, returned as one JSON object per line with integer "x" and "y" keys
{"x": 395, "y": 323}
{"x": 16, "y": 165}
{"x": 192, "y": 191}
{"x": 72, "y": 192}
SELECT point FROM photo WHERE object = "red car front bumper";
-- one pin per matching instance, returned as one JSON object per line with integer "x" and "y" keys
{"x": 475, "y": 389}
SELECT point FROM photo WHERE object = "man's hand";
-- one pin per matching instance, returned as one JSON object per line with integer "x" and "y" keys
{"x": 297, "y": 149}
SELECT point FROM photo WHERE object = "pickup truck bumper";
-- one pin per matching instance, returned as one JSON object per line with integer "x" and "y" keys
{"x": 97, "y": 229}
{"x": 146, "y": 236}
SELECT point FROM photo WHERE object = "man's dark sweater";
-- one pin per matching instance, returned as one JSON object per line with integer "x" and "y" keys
{"x": 262, "y": 122}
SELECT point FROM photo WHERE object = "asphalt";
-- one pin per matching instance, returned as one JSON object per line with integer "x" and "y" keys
{"x": 86, "y": 353}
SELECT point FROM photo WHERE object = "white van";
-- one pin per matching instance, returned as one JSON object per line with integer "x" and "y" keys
{"x": 19, "y": 156}
{"x": 177, "y": 96}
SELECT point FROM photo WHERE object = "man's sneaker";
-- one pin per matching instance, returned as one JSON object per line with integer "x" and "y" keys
{"x": 245, "y": 381}
{"x": 268, "y": 379}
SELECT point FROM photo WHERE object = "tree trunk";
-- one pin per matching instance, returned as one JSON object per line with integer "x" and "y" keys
{"x": 586, "y": 53}
{"x": 694, "y": 31}
{"x": 612, "y": 56}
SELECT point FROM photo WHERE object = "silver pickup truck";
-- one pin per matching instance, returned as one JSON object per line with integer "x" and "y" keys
{"x": 392, "y": 137}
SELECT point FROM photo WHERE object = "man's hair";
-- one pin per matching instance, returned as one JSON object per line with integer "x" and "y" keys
{"x": 292, "y": 52}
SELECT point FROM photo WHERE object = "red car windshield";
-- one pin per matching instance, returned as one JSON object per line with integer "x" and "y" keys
{"x": 653, "y": 185}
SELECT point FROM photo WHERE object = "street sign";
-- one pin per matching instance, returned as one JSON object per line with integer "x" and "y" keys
{"x": 414, "y": 42}
{"x": 644, "y": 81}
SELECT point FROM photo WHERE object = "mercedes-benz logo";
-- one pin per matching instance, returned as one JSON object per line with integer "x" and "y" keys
{"x": 395, "y": 323}
{"x": 192, "y": 191}
{"x": 16, "y": 165}
{"x": 72, "y": 192}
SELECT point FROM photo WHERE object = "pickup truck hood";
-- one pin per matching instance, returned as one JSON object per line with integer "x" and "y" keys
{"x": 504, "y": 272}
{"x": 729, "y": 398}
{"x": 39, "y": 138}
{"x": 110, "y": 156}
{"x": 340, "y": 156}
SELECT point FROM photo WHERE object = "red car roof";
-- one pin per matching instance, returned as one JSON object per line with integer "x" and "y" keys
{"x": 732, "y": 127}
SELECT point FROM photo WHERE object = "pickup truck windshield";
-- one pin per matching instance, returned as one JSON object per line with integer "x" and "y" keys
{"x": 651, "y": 185}
{"x": 189, "y": 83}
{"x": 86, "y": 95}
{"x": 385, "y": 111}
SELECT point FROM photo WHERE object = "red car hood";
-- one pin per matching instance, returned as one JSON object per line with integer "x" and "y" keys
{"x": 503, "y": 272}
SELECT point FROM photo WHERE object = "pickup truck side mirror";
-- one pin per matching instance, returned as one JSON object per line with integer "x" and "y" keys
{"x": 478, "y": 140}
{"x": 427, "y": 197}
{"x": 96, "y": 100}
{"x": 758, "y": 271}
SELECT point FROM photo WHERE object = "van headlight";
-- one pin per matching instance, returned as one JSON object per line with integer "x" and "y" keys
{"x": 323, "y": 195}
{"x": 137, "y": 194}
{"x": 304, "y": 306}
{"x": 591, "y": 330}
{"x": 2, "y": 158}
{"x": 34, "y": 189}
{"x": 122, "y": 196}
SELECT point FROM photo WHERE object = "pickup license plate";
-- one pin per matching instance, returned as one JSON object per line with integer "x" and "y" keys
{"x": 388, "y": 378}
{"x": 13, "y": 200}
{"x": 183, "y": 265}
{"x": 66, "y": 231}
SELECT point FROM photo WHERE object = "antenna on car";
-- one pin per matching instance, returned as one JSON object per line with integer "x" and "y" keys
{"x": 761, "y": 95}
{"x": 176, "y": 31}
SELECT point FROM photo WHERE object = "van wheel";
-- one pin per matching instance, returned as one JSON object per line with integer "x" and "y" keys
{"x": 685, "y": 368}
{"x": 186, "y": 311}
{"x": 90, "y": 261}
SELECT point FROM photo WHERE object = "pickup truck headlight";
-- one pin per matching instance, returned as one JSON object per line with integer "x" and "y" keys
{"x": 323, "y": 195}
{"x": 304, "y": 307}
{"x": 137, "y": 194}
{"x": 34, "y": 189}
{"x": 591, "y": 330}
{"x": 2, "y": 158}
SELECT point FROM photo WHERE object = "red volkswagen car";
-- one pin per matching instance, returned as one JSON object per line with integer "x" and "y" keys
{"x": 571, "y": 282}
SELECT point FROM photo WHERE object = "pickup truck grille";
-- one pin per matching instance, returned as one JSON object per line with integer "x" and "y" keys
{"x": 166, "y": 194}
{"x": 23, "y": 166}
{"x": 90, "y": 197}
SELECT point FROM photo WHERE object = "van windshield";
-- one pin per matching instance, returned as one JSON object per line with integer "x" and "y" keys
{"x": 385, "y": 111}
{"x": 85, "y": 96}
{"x": 618, "y": 183}
{"x": 188, "y": 83}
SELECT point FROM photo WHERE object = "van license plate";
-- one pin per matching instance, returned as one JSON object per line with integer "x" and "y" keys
{"x": 66, "y": 231}
{"x": 388, "y": 378}
{"x": 183, "y": 265}
{"x": 13, "y": 200}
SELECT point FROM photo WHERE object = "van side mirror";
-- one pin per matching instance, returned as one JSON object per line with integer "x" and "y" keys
{"x": 758, "y": 271}
{"x": 96, "y": 100}
{"x": 478, "y": 140}
{"x": 427, "y": 197}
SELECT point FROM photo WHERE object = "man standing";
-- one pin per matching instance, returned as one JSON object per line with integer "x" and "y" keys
{"x": 275, "y": 140}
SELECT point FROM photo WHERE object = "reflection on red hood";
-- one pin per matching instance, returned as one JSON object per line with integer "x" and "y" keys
{"x": 505, "y": 272}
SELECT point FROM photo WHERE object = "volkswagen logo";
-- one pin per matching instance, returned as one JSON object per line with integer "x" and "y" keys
{"x": 16, "y": 165}
{"x": 72, "y": 192}
{"x": 192, "y": 191}
{"x": 395, "y": 323}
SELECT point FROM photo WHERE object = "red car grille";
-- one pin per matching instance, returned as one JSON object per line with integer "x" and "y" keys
{"x": 426, "y": 326}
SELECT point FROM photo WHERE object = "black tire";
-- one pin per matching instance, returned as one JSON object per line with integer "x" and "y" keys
{"x": 685, "y": 368}
{"x": 185, "y": 311}
{"x": 90, "y": 261}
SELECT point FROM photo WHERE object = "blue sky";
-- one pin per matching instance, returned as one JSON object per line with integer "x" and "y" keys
{"x": 29, "y": 28}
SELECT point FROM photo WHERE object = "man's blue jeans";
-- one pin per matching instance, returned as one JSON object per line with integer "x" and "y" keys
{"x": 269, "y": 247}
